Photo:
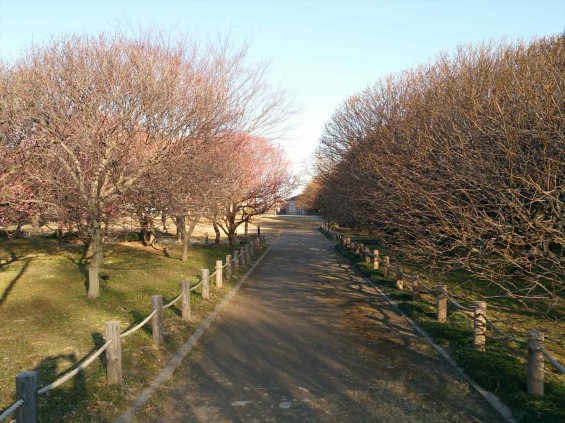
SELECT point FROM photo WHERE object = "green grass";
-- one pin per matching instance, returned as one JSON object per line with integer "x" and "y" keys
{"x": 47, "y": 324}
{"x": 501, "y": 369}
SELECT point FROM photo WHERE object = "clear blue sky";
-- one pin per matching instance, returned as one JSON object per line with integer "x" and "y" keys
{"x": 323, "y": 51}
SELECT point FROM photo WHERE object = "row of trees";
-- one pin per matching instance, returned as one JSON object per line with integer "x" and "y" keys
{"x": 96, "y": 128}
{"x": 460, "y": 164}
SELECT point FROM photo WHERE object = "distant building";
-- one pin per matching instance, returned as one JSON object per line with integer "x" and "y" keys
{"x": 290, "y": 207}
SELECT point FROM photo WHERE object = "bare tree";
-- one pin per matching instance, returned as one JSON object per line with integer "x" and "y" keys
{"x": 257, "y": 176}
{"x": 460, "y": 164}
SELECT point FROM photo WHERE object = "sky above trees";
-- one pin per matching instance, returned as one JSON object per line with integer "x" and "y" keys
{"x": 323, "y": 51}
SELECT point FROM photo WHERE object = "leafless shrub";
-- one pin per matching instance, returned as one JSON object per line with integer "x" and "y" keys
{"x": 461, "y": 163}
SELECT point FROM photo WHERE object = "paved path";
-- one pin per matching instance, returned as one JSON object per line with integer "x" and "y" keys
{"x": 305, "y": 341}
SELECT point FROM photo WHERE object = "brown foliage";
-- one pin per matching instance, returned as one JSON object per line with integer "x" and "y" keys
{"x": 461, "y": 163}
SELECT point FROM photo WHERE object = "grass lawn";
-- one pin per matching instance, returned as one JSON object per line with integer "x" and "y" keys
{"x": 502, "y": 368}
{"x": 47, "y": 324}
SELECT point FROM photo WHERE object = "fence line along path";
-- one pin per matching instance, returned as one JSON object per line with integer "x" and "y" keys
{"x": 25, "y": 407}
{"x": 534, "y": 339}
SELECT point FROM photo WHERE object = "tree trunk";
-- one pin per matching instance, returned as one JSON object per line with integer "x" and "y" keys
{"x": 217, "y": 231}
{"x": 180, "y": 222}
{"x": 147, "y": 232}
{"x": 95, "y": 261}
{"x": 232, "y": 237}
{"x": 246, "y": 229}
{"x": 164, "y": 220}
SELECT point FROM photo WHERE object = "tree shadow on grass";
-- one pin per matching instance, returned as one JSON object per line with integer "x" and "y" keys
{"x": 61, "y": 402}
{"x": 12, "y": 284}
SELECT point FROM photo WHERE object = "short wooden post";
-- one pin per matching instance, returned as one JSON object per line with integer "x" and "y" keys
{"x": 480, "y": 326}
{"x": 236, "y": 260}
{"x": 416, "y": 287}
{"x": 535, "y": 363}
{"x": 399, "y": 281}
{"x": 376, "y": 259}
{"x": 205, "y": 284}
{"x": 113, "y": 354}
{"x": 219, "y": 270}
{"x": 157, "y": 323}
{"x": 356, "y": 246}
{"x": 386, "y": 266}
{"x": 441, "y": 303}
{"x": 26, "y": 388}
{"x": 242, "y": 257}
{"x": 228, "y": 267}
{"x": 185, "y": 288}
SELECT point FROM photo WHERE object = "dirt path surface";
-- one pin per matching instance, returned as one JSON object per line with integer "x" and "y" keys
{"x": 305, "y": 340}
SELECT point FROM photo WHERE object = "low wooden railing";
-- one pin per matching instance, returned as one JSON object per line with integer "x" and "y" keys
{"x": 534, "y": 339}
{"x": 26, "y": 407}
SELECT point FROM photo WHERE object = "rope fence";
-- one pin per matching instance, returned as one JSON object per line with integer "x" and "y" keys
{"x": 534, "y": 342}
{"x": 26, "y": 406}
{"x": 12, "y": 409}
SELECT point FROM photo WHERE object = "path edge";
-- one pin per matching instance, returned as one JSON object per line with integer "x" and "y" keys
{"x": 182, "y": 352}
{"x": 502, "y": 409}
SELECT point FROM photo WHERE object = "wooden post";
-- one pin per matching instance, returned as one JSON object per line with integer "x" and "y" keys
{"x": 205, "y": 284}
{"x": 206, "y": 241}
{"x": 228, "y": 267}
{"x": 258, "y": 230}
{"x": 387, "y": 267}
{"x": 356, "y": 246}
{"x": 416, "y": 287}
{"x": 480, "y": 326}
{"x": 376, "y": 259}
{"x": 399, "y": 281}
{"x": 113, "y": 354}
{"x": 242, "y": 257}
{"x": 236, "y": 260}
{"x": 157, "y": 304}
{"x": 185, "y": 287}
{"x": 26, "y": 388}
{"x": 219, "y": 270}
{"x": 441, "y": 303}
{"x": 535, "y": 363}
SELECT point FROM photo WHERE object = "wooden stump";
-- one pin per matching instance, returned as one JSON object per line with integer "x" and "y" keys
{"x": 386, "y": 267}
{"x": 228, "y": 267}
{"x": 535, "y": 363}
{"x": 157, "y": 322}
{"x": 26, "y": 388}
{"x": 236, "y": 260}
{"x": 113, "y": 354}
{"x": 219, "y": 270}
{"x": 399, "y": 277}
{"x": 416, "y": 287}
{"x": 480, "y": 326}
{"x": 185, "y": 288}
{"x": 205, "y": 284}
{"x": 375, "y": 259}
{"x": 441, "y": 303}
